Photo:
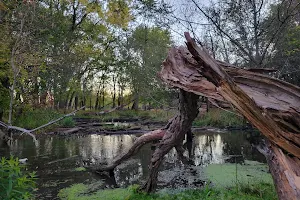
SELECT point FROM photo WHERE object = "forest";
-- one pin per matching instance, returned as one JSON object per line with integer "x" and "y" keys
{"x": 149, "y": 99}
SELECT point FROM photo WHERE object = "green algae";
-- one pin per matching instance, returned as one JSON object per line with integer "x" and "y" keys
{"x": 229, "y": 175}
{"x": 80, "y": 169}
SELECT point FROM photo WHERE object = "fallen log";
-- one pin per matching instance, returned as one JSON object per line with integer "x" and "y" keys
{"x": 71, "y": 131}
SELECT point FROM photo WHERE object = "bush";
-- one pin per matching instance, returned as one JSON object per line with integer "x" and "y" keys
{"x": 15, "y": 182}
{"x": 67, "y": 122}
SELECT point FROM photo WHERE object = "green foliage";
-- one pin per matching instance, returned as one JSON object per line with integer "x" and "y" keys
{"x": 118, "y": 12}
{"x": 33, "y": 118}
{"x": 151, "y": 45}
{"x": 67, "y": 122}
{"x": 15, "y": 182}
{"x": 4, "y": 98}
{"x": 219, "y": 118}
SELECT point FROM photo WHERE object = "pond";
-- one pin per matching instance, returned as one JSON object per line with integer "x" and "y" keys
{"x": 48, "y": 158}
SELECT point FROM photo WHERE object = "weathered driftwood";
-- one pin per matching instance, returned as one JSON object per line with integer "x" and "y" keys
{"x": 273, "y": 106}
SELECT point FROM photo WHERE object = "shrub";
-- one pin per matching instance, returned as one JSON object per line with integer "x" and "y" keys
{"x": 68, "y": 122}
{"x": 15, "y": 182}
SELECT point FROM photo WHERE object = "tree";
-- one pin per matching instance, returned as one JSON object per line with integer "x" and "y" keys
{"x": 242, "y": 30}
{"x": 63, "y": 43}
{"x": 286, "y": 50}
{"x": 149, "y": 46}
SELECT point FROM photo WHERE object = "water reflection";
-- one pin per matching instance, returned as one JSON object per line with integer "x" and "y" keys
{"x": 206, "y": 148}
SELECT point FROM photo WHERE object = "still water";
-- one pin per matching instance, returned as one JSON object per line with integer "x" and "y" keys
{"x": 48, "y": 158}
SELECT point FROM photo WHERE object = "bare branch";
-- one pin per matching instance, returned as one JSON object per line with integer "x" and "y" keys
{"x": 240, "y": 47}
{"x": 54, "y": 121}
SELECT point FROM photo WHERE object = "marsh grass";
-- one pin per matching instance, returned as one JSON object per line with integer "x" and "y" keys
{"x": 15, "y": 181}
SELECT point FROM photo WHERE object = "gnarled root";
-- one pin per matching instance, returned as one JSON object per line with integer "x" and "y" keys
{"x": 179, "y": 127}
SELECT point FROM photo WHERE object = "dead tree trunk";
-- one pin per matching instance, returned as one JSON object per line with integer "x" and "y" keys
{"x": 284, "y": 169}
{"x": 174, "y": 135}
{"x": 273, "y": 106}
